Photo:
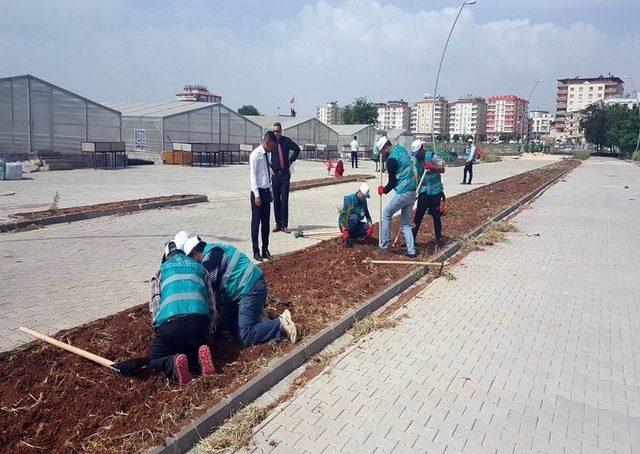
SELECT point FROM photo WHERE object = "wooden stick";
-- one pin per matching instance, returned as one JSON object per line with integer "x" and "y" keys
{"x": 70, "y": 348}
{"x": 380, "y": 217}
{"x": 403, "y": 262}
{"x": 320, "y": 233}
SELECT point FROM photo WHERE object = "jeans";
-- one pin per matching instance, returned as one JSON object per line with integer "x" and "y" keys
{"x": 354, "y": 159}
{"x": 260, "y": 219}
{"x": 468, "y": 168}
{"x": 404, "y": 204}
{"x": 281, "y": 183}
{"x": 180, "y": 334}
{"x": 428, "y": 203}
{"x": 251, "y": 330}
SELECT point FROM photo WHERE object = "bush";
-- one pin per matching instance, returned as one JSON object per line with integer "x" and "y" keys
{"x": 581, "y": 154}
{"x": 490, "y": 158}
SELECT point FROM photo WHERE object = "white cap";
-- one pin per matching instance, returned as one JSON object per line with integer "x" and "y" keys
{"x": 190, "y": 244}
{"x": 364, "y": 188}
{"x": 381, "y": 142}
{"x": 470, "y": 140}
{"x": 180, "y": 239}
{"x": 416, "y": 144}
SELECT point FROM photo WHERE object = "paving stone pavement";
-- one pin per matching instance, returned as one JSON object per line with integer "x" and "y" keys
{"x": 68, "y": 274}
{"x": 535, "y": 347}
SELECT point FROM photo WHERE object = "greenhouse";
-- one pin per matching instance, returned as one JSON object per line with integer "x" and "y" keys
{"x": 366, "y": 134}
{"x": 37, "y": 116}
{"x": 309, "y": 131}
{"x": 154, "y": 126}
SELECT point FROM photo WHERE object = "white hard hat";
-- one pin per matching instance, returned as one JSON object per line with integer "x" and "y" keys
{"x": 190, "y": 244}
{"x": 416, "y": 144}
{"x": 364, "y": 188}
{"x": 180, "y": 239}
{"x": 381, "y": 142}
{"x": 470, "y": 140}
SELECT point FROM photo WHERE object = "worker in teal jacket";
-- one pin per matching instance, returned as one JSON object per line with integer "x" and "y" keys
{"x": 401, "y": 179}
{"x": 354, "y": 220}
{"x": 181, "y": 314}
{"x": 431, "y": 193}
{"x": 239, "y": 288}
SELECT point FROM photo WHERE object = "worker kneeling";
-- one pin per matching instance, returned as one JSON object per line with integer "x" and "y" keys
{"x": 239, "y": 286}
{"x": 353, "y": 214}
{"x": 181, "y": 315}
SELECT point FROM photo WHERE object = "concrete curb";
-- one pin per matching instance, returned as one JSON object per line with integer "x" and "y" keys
{"x": 199, "y": 428}
{"x": 342, "y": 180}
{"x": 14, "y": 225}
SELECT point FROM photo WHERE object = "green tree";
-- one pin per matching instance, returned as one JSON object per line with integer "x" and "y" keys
{"x": 623, "y": 128}
{"x": 360, "y": 112}
{"x": 248, "y": 110}
{"x": 595, "y": 124}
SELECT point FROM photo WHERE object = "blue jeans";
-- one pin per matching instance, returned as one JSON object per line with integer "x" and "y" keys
{"x": 404, "y": 204}
{"x": 251, "y": 330}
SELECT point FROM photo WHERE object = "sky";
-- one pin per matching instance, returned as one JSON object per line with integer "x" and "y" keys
{"x": 264, "y": 52}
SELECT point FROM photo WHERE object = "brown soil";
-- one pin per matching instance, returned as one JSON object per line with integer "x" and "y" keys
{"x": 58, "y": 402}
{"x": 314, "y": 183}
{"x": 96, "y": 207}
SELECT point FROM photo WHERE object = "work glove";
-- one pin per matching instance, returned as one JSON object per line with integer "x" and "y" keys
{"x": 345, "y": 234}
{"x": 428, "y": 165}
{"x": 380, "y": 190}
{"x": 369, "y": 230}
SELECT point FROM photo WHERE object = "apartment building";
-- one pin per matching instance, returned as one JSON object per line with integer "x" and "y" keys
{"x": 394, "y": 115}
{"x": 468, "y": 116}
{"x": 430, "y": 115}
{"x": 540, "y": 123}
{"x": 574, "y": 95}
{"x": 197, "y": 93}
{"x": 330, "y": 113}
{"x": 507, "y": 114}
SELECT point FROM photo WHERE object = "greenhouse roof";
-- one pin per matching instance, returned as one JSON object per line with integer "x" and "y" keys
{"x": 347, "y": 130}
{"x": 267, "y": 121}
{"x": 158, "y": 108}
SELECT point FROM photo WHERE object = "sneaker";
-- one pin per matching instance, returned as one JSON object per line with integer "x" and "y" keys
{"x": 181, "y": 372}
{"x": 288, "y": 326}
{"x": 381, "y": 250}
{"x": 205, "y": 361}
{"x": 412, "y": 256}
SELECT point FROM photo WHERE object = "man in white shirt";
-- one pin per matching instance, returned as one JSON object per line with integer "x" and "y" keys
{"x": 260, "y": 176}
{"x": 354, "y": 152}
{"x": 470, "y": 151}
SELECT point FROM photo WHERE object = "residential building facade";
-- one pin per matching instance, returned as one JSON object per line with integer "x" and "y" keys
{"x": 574, "y": 95}
{"x": 330, "y": 113}
{"x": 197, "y": 93}
{"x": 394, "y": 115}
{"x": 430, "y": 115}
{"x": 507, "y": 114}
{"x": 540, "y": 123}
{"x": 468, "y": 116}
{"x": 629, "y": 101}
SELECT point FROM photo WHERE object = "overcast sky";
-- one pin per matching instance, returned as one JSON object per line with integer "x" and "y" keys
{"x": 263, "y": 52}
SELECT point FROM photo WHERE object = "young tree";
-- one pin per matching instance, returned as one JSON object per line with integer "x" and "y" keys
{"x": 360, "y": 112}
{"x": 248, "y": 110}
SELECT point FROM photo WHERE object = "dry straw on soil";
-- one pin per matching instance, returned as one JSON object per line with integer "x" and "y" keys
{"x": 236, "y": 431}
{"x": 371, "y": 323}
{"x": 493, "y": 235}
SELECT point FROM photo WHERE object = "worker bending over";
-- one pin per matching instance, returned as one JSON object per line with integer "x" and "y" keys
{"x": 402, "y": 180}
{"x": 430, "y": 194}
{"x": 181, "y": 314}
{"x": 239, "y": 286}
{"x": 353, "y": 214}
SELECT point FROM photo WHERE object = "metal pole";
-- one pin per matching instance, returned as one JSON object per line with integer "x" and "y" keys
{"x": 635, "y": 153}
{"x": 524, "y": 116}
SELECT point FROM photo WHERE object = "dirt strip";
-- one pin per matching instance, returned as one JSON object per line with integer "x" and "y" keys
{"x": 55, "y": 401}
{"x": 317, "y": 182}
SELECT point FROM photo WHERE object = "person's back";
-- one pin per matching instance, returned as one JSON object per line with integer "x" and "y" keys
{"x": 354, "y": 145}
{"x": 404, "y": 172}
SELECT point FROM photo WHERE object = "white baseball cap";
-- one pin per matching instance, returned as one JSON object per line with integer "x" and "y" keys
{"x": 180, "y": 239}
{"x": 416, "y": 144}
{"x": 190, "y": 244}
{"x": 381, "y": 142}
{"x": 470, "y": 140}
{"x": 364, "y": 188}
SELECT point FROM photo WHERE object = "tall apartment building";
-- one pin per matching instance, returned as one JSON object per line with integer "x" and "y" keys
{"x": 197, "y": 93}
{"x": 468, "y": 116}
{"x": 540, "y": 123}
{"x": 430, "y": 115}
{"x": 507, "y": 114}
{"x": 394, "y": 115}
{"x": 330, "y": 113}
{"x": 574, "y": 95}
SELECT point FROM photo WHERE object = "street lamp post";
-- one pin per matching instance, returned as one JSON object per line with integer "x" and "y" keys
{"x": 635, "y": 153}
{"x": 524, "y": 114}
{"x": 435, "y": 88}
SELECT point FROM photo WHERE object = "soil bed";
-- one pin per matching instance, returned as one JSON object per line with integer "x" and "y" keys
{"x": 120, "y": 205}
{"x": 316, "y": 182}
{"x": 56, "y": 401}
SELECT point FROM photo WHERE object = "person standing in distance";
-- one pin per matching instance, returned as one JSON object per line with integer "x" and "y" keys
{"x": 354, "y": 152}
{"x": 286, "y": 152}
{"x": 468, "y": 166}
{"x": 260, "y": 177}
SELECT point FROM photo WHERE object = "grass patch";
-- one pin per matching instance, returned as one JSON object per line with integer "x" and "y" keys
{"x": 493, "y": 235}
{"x": 490, "y": 158}
{"x": 236, "y": 431}
{"x": 581, "y": 154}
{"x": 370, "y": 324}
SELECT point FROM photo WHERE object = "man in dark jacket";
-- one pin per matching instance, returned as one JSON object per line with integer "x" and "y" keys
{"x": 284, "y": 154}
{"x": 355, "y": 221}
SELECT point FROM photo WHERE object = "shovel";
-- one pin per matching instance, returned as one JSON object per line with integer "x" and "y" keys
{"x": 128, "y": 367}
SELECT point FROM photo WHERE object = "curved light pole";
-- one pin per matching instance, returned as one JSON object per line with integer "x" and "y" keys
{"x": 635, "y": 153}
{"x": 525, "y": 116}
{"x": 435, "y": 88}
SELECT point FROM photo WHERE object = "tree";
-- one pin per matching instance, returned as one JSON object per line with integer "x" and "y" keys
{"x": 248, "y": 110}
{"x": 595, "y": 124}
{"x": 360, "y": 112}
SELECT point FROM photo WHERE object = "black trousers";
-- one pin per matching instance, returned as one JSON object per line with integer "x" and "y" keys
{"x": 428, "y": 203}
{"x": 468, "y": 168}
{"x": 180, "y": 334}
{"x": 260, "y": 219}
{"x": 281, "y": 182}
{"x": 354, "y": 159}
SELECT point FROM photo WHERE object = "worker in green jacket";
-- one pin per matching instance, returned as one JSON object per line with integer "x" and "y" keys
{"x": 431, "y": 194}
{"x": 239, "y": 287}
{"x": 354, "y": 220}
{"x": 181, "y": 314}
